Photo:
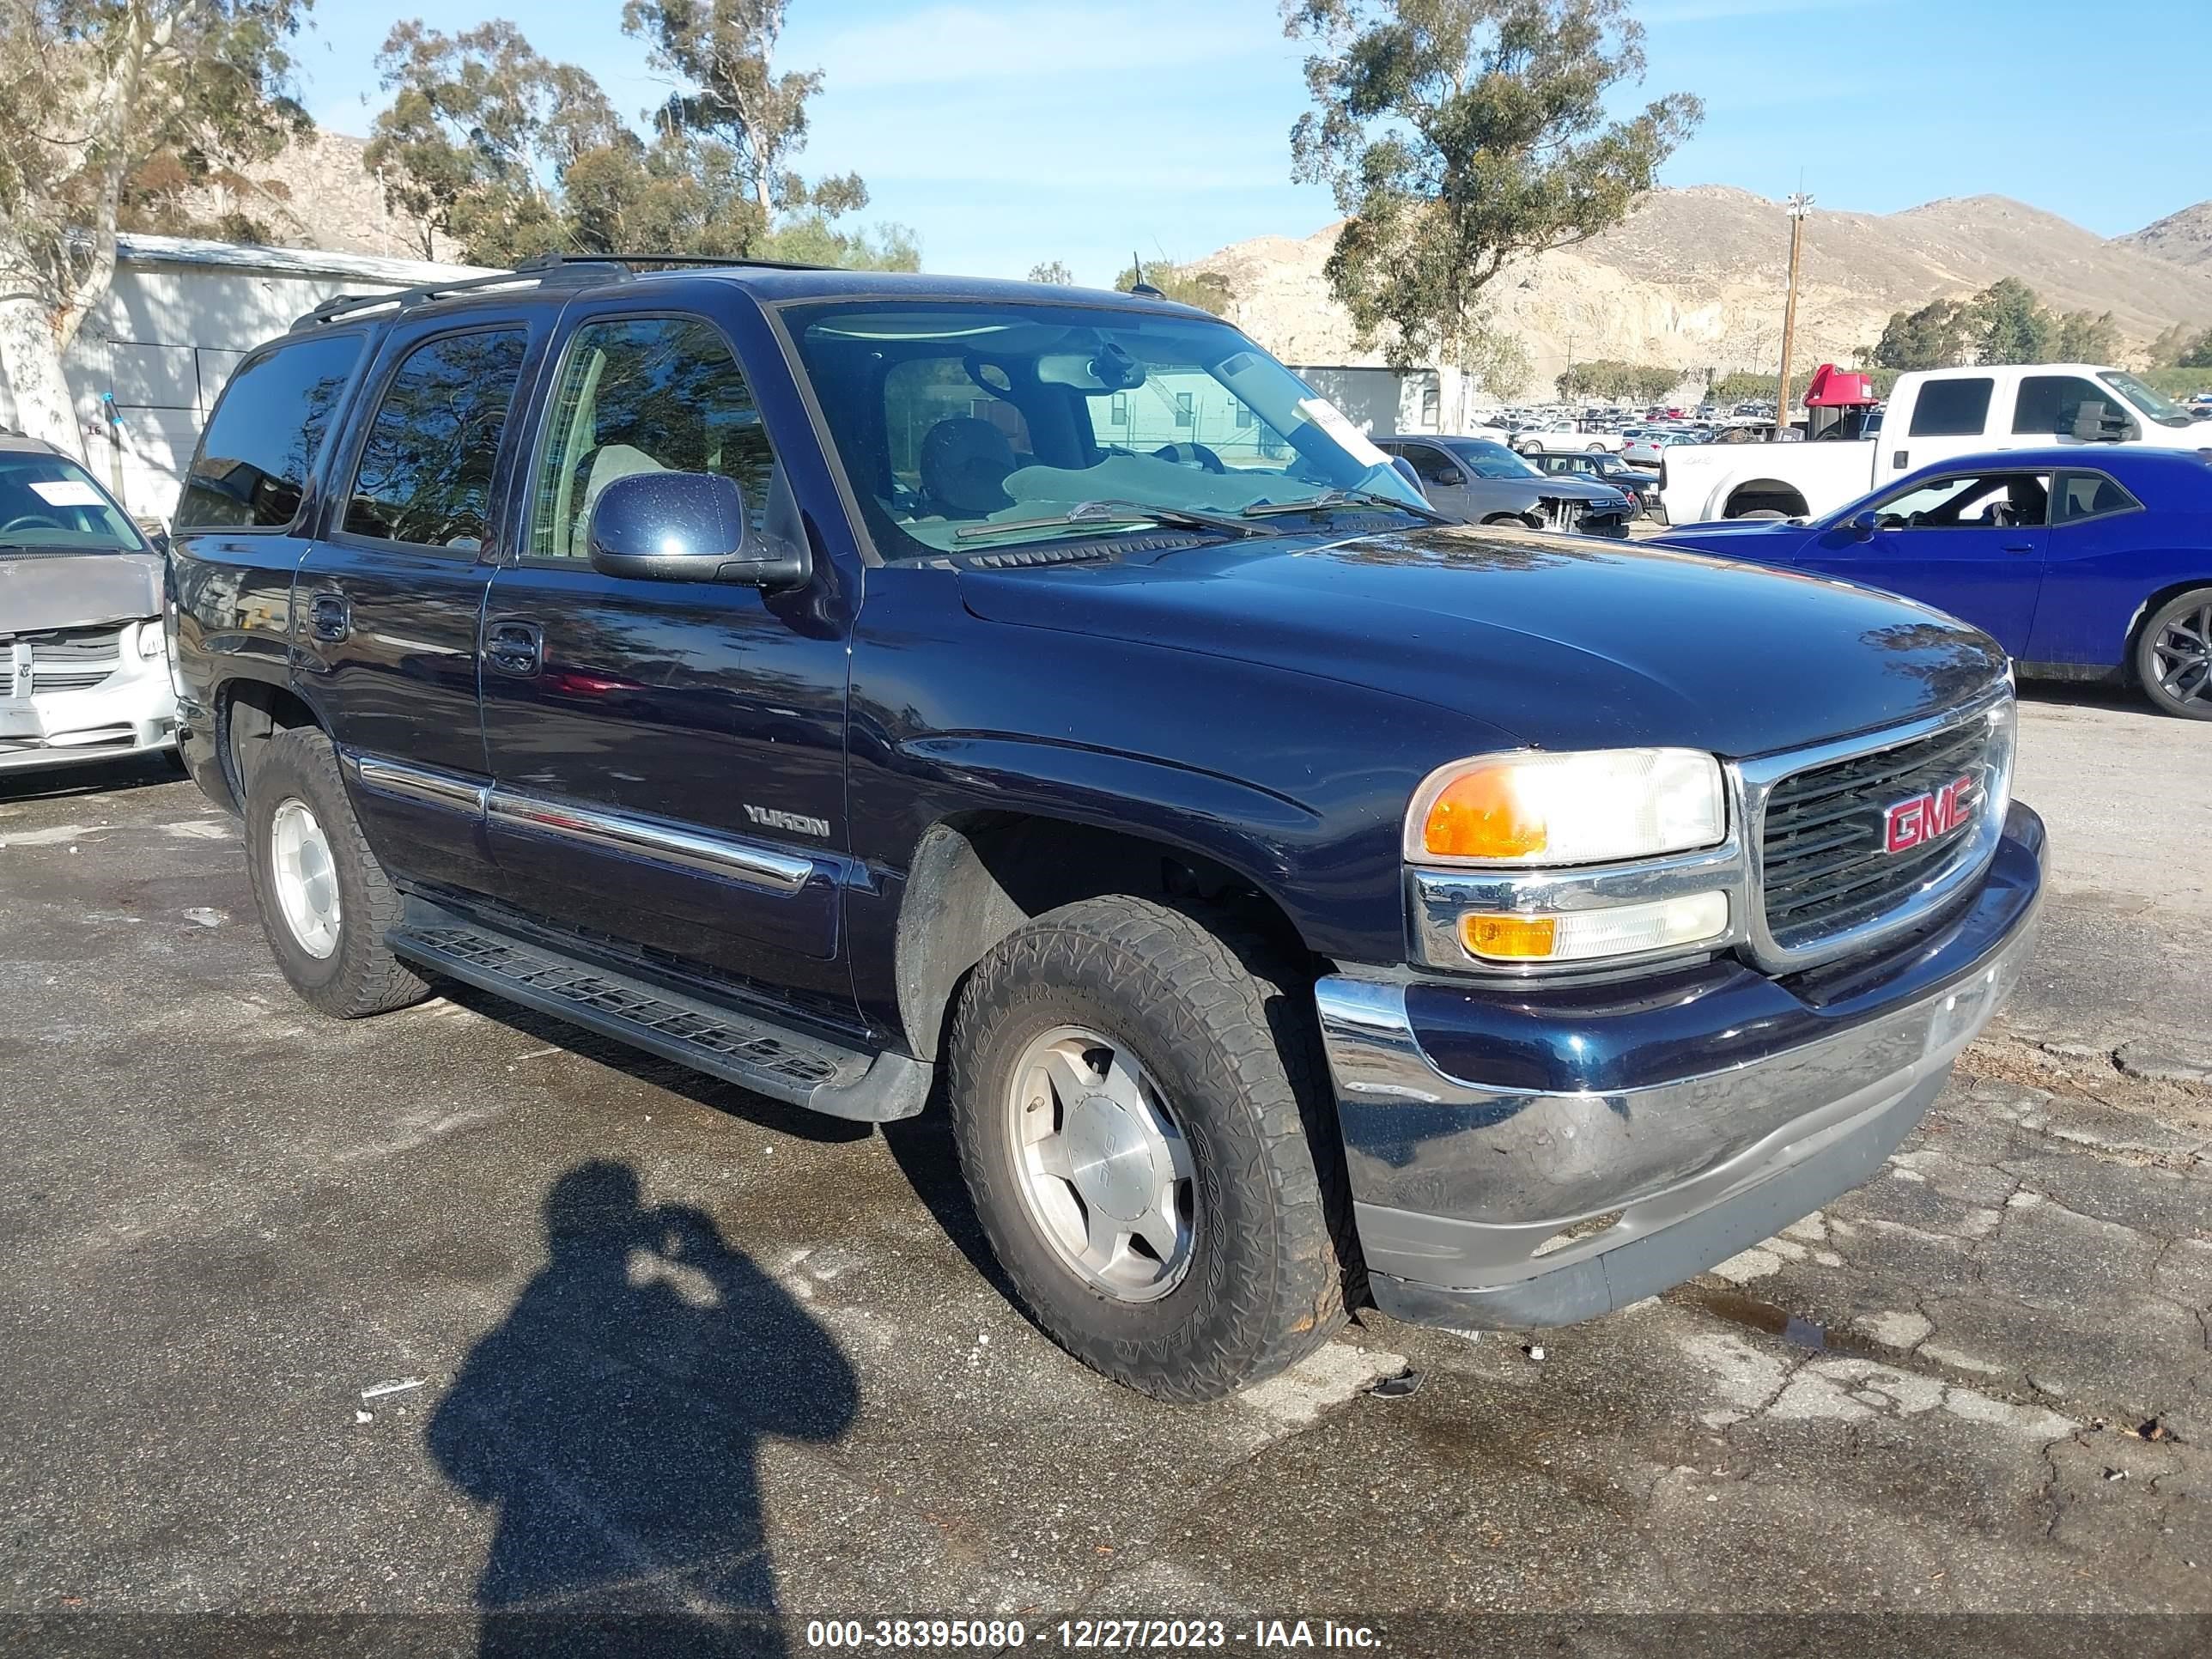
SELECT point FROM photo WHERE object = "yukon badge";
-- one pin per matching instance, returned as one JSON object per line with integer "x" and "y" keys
{"x": 1915, "y": 823}
{"x": 797, "y": 822}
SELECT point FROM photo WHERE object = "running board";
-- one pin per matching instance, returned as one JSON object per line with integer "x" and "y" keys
{"x": 771, "y": 1060}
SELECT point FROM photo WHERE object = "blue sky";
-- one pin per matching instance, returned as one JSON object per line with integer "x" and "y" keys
{"x": 1010, "y": 132}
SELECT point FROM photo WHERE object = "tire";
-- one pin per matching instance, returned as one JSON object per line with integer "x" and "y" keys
{"x": 2173, "y": 656}
{"x": 356, "y": 974}
{"x": 1262, "y": 1280}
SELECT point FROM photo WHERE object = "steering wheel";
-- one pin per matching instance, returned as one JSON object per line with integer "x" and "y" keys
{"x": 1196, "y": 455}
{"x": 32, "y": 522}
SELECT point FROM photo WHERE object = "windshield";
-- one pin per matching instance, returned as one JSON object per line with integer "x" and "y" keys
{"x": 1491, "y": 460}
{"x": 949, "y": 416}
{"x": 2155, "y": 406}
{"x": 49, "y": 504}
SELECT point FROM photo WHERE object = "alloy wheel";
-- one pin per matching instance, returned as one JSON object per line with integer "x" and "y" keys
{"x": 1101, "y": 1164}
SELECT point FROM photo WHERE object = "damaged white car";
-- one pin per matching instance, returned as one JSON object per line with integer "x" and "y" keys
{"x": 84, "y": 671}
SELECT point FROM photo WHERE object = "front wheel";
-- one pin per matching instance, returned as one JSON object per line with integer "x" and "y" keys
{"x": 1144, "y": 1129}
{"x": 2173, "y": 656}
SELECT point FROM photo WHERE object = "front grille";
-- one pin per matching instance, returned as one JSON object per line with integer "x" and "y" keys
{"x": 1824, "y": 864}
{"x": 70, "y": 660}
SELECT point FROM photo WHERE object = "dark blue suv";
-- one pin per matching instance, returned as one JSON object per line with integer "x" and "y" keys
{"x": 876, "y": 690}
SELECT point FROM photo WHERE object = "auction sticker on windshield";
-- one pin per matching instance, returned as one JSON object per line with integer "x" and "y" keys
{"x": 1331, "y": 420}
{"x": 66, "y": 492}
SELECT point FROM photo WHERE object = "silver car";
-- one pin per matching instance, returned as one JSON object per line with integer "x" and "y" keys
{"x": 84, "y": 669}
{"x": 1479, "y": 480}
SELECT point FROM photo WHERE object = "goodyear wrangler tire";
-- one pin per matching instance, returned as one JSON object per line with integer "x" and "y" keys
{"x": 325, "y": 904}
{"x": 1139, "y": 1138}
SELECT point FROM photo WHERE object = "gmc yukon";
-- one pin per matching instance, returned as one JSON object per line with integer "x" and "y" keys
{"x": 878, "y": 689}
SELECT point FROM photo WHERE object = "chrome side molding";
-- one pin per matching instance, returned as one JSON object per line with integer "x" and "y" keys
{"x": 617, "y": 832}
{"x": 611, "y": 832}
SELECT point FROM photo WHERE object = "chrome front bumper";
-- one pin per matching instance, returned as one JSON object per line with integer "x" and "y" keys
{"x": 1627, "y": 1137}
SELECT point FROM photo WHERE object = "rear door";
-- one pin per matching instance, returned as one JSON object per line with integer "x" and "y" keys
{"x": 1949, "y": 417}
{"x": 1970, "y": 543}
{"x": 668, "y": 756}
{"x": 387, "y": 601}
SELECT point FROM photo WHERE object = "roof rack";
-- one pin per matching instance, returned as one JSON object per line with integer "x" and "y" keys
{"x": 544, "y": 270}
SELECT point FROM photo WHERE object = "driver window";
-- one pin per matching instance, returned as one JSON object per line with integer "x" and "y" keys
{"x": 1433, "y": 464}
{"x": 2003, "y": 501}
{"x": 643, "y": 394}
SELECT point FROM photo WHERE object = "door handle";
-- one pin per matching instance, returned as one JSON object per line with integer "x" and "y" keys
{"x": 515, "y": 647}
{"x": 327, "y": 617}
{"x": 1901, "y": 459}
{"x": 2019, "y": 547}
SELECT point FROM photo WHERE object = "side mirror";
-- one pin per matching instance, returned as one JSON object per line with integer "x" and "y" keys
{"x": 1862, "y": 524}
{"x": 2097, "y": 421}
{"x": 687, "y": 527}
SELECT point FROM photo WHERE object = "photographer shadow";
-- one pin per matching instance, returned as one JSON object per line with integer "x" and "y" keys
{"x": 614, "y": 1419}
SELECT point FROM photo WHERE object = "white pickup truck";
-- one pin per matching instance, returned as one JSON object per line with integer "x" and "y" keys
{"x": 1932, "y": 416}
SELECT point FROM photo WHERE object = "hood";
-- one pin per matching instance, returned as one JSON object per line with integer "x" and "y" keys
{"x": 1566, "y": 643}
{"x": 40, "y": 591}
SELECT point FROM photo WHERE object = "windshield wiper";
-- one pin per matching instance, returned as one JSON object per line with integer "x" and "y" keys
{"x": 1088, "y": 515}
{"x": 1329, "y": 498}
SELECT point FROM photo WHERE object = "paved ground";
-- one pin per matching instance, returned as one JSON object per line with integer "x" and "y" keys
{"x": 454, "y": 1311}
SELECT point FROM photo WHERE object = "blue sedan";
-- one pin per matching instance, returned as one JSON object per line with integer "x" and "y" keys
{"x": 2084, "y": 563}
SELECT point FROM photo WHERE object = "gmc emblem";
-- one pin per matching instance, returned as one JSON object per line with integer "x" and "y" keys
{"x": 1915, "y": 823}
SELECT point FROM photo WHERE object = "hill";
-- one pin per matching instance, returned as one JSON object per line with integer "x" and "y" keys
{"x": 1694, "y": 278}
{"x": 2184, "y": 237}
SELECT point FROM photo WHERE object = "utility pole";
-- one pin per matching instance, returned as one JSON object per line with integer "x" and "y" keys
{"x": 1796, "y": 206}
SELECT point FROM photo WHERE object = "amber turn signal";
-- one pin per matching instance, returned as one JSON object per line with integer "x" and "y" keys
{"x": 1483, "y": 815}
{"x": 1509, "y": 938}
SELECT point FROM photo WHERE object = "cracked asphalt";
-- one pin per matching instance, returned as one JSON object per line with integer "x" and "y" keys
{"x": 460, "y": 1314}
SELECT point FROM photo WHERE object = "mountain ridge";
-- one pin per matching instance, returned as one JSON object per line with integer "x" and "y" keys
{"x": 1693, "y": 279}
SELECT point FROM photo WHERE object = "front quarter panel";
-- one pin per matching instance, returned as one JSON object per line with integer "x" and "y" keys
{"x": 1298, "y": 784}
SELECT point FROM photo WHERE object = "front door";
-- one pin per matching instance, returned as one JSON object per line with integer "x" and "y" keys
{"x": 668, "y": 756}
{"x": 1972, "y": 543}
{"x": 387, "y": 601}
{"x": 1441, "y": 480}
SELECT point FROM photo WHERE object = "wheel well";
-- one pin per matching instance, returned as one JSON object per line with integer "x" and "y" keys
{"x": 1768, "y": 492}
{"x": 2151, "y": 607}
{"x": 251, "y": 713}
{"x": 977, "y": 878}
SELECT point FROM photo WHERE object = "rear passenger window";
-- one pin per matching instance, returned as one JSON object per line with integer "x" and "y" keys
{"x": 261, "y": 442}
{"x": 644, "y": 394}
{"x": 1952, "y": 408}
{"x": 2089, "y": 496}
{"x": 424, "y": 476}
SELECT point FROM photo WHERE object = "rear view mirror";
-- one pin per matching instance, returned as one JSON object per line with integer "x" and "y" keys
{"x": 2097, "y": 421}
{"x": 687, "y": 526}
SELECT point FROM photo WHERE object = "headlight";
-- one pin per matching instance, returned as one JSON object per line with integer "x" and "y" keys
{"x": 151, "y": 645}
{"x": 1594, "y": 808}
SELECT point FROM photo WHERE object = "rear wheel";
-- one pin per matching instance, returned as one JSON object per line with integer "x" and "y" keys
{"x": 1143, "y": 1128}
{"x": 325, "y": 902}
{"x": 2173, "y": 656}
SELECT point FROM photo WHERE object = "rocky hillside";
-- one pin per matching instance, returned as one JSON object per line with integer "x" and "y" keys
{"x": 1694, "y": 278}
{"x": 2184, "y": 237}
{"x": 317, "y": 193}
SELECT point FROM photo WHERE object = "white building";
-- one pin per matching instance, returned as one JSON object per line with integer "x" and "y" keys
{"x": 180, "y": 316}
